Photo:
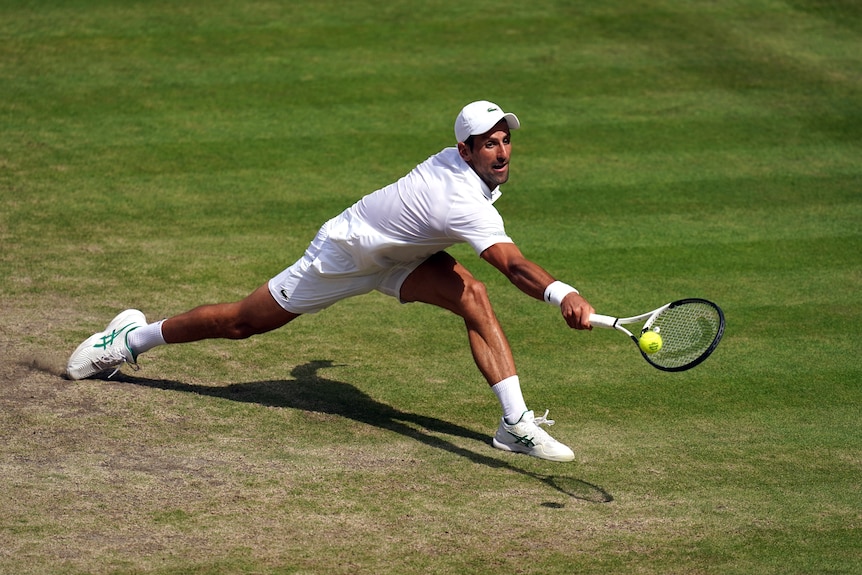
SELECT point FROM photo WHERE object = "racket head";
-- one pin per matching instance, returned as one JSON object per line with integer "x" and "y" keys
{"x": 690, "y": 330}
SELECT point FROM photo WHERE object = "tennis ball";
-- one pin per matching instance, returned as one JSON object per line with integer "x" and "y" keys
{"x": 650, "y": 342}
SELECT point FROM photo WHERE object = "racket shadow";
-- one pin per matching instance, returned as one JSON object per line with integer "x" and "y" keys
{"x": 575, "y": 488}
{"x": 309, "y": 391}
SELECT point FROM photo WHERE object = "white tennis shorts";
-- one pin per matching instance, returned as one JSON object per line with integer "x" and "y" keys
{"x": 327, "y": 274}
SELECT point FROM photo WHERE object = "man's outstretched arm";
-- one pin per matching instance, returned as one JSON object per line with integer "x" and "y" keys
{"x": 534, "y": 280}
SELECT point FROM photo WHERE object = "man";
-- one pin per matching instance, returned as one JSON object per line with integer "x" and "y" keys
{"x": 392, "y": 241}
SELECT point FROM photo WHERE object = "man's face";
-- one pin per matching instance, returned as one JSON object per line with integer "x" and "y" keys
{"x": 489, "y": 156}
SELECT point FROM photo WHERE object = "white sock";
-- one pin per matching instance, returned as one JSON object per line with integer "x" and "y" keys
{"x": 146, "y": 338}
{"x": 509, "y": 393}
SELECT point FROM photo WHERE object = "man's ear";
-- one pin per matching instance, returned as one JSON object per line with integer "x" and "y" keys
{"x": 464, "y": 152}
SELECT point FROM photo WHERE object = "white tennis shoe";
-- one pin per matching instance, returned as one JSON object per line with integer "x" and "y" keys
{"x": 526, "y": 436}
{"x": 106, "y": 349}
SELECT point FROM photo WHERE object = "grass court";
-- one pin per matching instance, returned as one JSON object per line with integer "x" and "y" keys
{"x": 162, "y": 155}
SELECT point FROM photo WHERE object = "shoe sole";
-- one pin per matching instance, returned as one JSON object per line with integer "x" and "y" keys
{"x": 562, "y": 458}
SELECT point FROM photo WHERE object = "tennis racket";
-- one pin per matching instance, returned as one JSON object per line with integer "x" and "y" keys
{"x": 690, "y": 330}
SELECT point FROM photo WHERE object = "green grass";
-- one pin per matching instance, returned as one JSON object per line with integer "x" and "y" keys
{"x": 162, "y": 155}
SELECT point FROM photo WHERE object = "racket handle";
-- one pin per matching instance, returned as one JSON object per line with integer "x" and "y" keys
{"x": 598, "y": 320}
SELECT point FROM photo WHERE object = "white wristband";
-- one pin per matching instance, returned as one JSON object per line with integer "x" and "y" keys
{"x": 555, "y": 292}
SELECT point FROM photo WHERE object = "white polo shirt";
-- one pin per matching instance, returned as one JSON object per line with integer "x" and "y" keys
{"x": 441, "y": 202}
{"x": 377, "y": 242}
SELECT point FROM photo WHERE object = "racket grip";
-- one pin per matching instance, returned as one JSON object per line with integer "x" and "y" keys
{"x": 598, "y": 320}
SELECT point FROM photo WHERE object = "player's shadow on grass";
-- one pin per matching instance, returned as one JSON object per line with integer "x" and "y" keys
{"x": 311, "y": 392}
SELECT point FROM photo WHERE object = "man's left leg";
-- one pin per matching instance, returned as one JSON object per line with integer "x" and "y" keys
{"x": 444, "y": 282}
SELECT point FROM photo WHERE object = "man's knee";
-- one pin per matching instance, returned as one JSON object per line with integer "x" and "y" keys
{"x": 242, "y": 327}
{"x": 474, "y": 298}
{"x": 256, "y": 314}
{"x": 233, "y": 325}
{"x": 242, "y": 331}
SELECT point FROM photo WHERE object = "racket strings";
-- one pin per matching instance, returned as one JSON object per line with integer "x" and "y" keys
{"x": 688, "y": 331}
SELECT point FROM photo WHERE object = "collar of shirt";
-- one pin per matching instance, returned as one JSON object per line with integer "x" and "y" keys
{"x": 491, "y": 195}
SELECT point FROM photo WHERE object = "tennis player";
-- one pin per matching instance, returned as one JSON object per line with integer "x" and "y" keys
{"x": 392, "y": 241}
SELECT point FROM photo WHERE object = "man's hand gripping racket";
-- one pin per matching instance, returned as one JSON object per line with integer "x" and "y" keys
{"x": 690, "y": 330}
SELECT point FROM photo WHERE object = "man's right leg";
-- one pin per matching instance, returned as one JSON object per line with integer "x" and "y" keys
{"x": 257, "y": 313}
{"x": 128, "y": 334}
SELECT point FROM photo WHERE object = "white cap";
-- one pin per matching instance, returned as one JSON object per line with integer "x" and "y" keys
{"x": 479, "y": 117}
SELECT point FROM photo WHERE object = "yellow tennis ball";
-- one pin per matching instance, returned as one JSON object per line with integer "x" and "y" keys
{"x": 650, "y": 342}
